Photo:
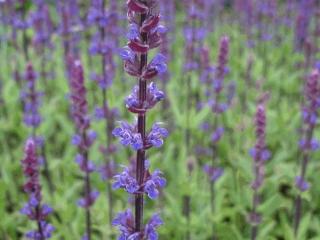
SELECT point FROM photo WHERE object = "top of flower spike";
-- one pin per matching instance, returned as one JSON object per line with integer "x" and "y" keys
{"x": 78, "y": 96}
{"x": 30, "y": 169}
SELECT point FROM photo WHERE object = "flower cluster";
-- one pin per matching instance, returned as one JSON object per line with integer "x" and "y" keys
{"x": 260, "y": 154}
{"x": 125, "y": 222}
{"x": 151, "y": 182}
{"x": 129, "y": 136}
{"x": 144, "y": 33}
{"x": 154, "y": 95}
{"x": 33, "y": 208}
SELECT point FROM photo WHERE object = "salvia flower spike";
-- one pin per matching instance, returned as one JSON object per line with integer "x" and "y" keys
{"x": 307, "y": 143}
{"x": 260, "y": 155}
{"x": 83, "y": 139}
{"x": 104, "y": 44}
{"x": 144, "y": 34}
{"x": 219, "y": 101}
{"x": 34, "y": 209}
{"x": 31, "y": 99}
{"x": 216, "y": 80}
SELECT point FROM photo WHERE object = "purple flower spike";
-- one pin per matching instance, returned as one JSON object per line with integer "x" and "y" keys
{"x": 33, "y": 208}
{"x": 84, "y": 137}
{"x": 145, "y": 33}
{"x": 260, "y": 154}
{"x": 307, "y": 143}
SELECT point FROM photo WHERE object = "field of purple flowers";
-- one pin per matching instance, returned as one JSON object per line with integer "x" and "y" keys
{"x": 159, "y": 119}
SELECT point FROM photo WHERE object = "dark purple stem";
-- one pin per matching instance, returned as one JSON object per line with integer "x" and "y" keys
{"x": 39, "y": 223}
{"x": 87, "y": 195}
{"x": 254, "y": 228}
{"x": 140, "y": 164}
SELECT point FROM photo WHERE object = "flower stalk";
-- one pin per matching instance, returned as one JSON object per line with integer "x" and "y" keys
{"x": 307, "y": 143}
{"x": 144, "y": 34}
{"x": 83, "y": 139}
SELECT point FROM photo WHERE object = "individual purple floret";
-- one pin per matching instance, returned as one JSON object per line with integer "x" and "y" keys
{"x": 150, "y": 185}
{"x": 88, "y": 201}
{"x": 260, "y": 154}
{"x": 34, "y": 209}
{"x": 125, "y": 222}
{"x": 83, "y": 138}
{"x": 128, "y": 135}
{"x": 307, "y": 143}
{"x": 213, "y": 173}
{"x": 301, "y": 184}
{"x": 154, "y": 95}
{"x": 126, "y": 181}
{"x": 217, "y": 134}
{"x": 151, "y": 227}
{"x": 153, "y": 183}
{"x": 156, "y": 136}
